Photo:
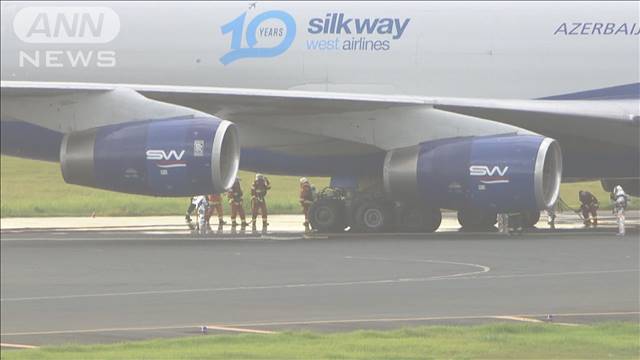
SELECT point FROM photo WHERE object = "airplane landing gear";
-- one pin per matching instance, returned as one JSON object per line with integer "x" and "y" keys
{"x": 328, "y": 213}
{"x": 373, "y": 217}
{"x": 530, "y": 218}
{"x": 416, "y": 219}
{"x": 473, "y": 219}
{"x": 336, "y": 209}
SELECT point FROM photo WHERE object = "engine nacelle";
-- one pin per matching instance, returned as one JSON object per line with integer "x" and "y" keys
{"x": 502, "y": 173}
{"x": 173, "y": 157}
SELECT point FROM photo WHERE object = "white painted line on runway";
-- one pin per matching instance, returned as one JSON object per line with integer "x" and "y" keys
{"x": 235, "y": 329}
{"x": 432, "y": 318}
{"x": 225, "y": 237}
{"x": 518, "y": 318}
{"x": 314, "y": 285}
{"x": 483, "y": 269}
{"x": 240, "y": 326}
{"x": 85, "y": 331}
{"x": 150, "y": 328}
{"x": 18, "y": 346}
{"x": 526, "y": 319}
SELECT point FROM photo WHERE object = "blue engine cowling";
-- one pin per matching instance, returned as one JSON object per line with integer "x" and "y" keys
{"x": 172, "y": 157}
{"x": 505, "y": 173}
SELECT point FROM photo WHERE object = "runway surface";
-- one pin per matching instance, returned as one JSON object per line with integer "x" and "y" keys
{"x": 92, "y": 287}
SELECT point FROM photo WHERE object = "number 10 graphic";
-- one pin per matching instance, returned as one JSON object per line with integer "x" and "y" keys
{"x": 236, "y": 27}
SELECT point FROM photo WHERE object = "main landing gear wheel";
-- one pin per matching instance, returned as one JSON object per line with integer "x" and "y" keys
{"x": 477, "y": 219}
{"x": 416, "y": 219}
{"x": 373, "y": 217}
{"x": 327, "y": 215}
{"x": 530, "y": 218}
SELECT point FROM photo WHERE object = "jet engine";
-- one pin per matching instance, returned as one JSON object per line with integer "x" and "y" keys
{"x": 171, "y": 157}
{"x": 505, "y": 173}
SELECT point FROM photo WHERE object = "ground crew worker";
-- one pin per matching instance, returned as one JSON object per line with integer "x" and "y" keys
{"x": 201, "y": 209}
{"x": 190, "y": 209}
{"x": 258, "y": 199}
{"x": 306, "y": 200}
{"x": 621, "y": 200}
{"x": 235, "y": 199}
{"x": 551, "y": 216}
{"x": 215, "y": 205}
{"x": 503, "y": 223}
{"x": 589, "y": 207}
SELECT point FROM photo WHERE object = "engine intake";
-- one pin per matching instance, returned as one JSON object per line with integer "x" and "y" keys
{"x": 173, "y": 157}
{"x": 503, "y": 173}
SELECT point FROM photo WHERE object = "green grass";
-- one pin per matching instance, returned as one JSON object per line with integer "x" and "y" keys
{"x": 569, "y": 193}
{"x": 494, "y": 341}
{"x": 36, "y": 188}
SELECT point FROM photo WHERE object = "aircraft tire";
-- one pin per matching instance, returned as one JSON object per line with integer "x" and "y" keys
{"x": 417, "y": 219}
{"x": 327, "y": 215}
{"x": 373, "y": 217}
{"x": 470, "y": 219}
{"x": 530, "y": 218}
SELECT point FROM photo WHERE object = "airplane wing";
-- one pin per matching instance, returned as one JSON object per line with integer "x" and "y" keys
{"x": 356, "y": 117}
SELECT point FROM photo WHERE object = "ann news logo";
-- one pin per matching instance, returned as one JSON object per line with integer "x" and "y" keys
{"x": 268, "y": 34}
{"x": 77, "y": 28}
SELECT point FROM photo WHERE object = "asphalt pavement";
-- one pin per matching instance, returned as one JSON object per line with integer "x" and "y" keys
{"x": 106, "y": 286}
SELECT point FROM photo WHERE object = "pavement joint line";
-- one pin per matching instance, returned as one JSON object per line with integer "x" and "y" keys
{"x": 310, "y": 322}
{"x": 18, "y": 346}
{"x": 313, "y": 285}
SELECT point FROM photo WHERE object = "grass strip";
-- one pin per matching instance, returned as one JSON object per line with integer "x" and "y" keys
{"x": 492, "y": 341}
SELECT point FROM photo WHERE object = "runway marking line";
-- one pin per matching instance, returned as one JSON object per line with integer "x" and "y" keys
{"x": 462, "y": 276}
{"x": 463, "y": 317}
{"x": 526, "y": 319}
{"x": 18, "y": 346}
{"x": 236, "y": 327}
{"x": 518, "y": 318}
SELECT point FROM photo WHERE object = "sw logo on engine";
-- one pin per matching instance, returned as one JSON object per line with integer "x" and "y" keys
{"x": 493, "y": 175}
{"x": 170, "y": 159}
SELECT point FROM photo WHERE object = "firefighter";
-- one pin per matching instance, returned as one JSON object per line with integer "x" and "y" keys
{"x": 621, "y": 200}
{"x": 589, "y": 206}
{"x": 258, "y": 199}
{"x": 215, "y": 205}
{"x": 235, "y": 199}
{"x": 306, "y": 200}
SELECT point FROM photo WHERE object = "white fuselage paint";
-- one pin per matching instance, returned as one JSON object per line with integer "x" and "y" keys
{"x": 459, "y": 49}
